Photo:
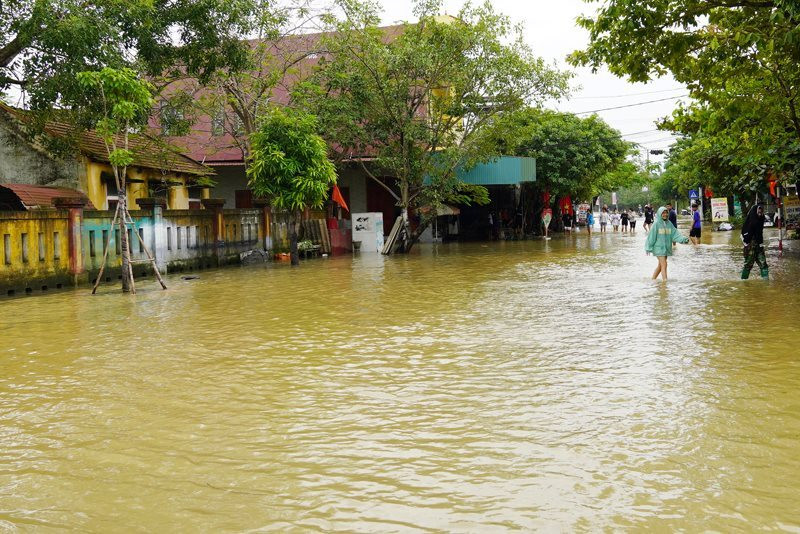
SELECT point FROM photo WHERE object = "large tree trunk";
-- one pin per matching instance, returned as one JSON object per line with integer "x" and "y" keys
{"x": 293, "y": 218}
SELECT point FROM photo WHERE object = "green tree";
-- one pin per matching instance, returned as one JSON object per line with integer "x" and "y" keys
{"x": 416, "y": 99}
{"x": 740, "y": 60}
{"x": 576, "y": 157}
{"x": 116, "y": 103}
{"x": 45, "y": 43}
{"x": 277, "y": 55}
{"x": 289, "y": 166}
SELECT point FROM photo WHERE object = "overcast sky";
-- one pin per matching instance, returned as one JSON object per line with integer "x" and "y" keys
{"x": 551, "y": 31}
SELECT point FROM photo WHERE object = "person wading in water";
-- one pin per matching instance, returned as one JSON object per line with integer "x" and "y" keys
{"x": 753, "y": 237}
{"x": 659, "y": 241}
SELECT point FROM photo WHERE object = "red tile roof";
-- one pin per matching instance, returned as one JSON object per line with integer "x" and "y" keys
{"x": 41, "y": 196}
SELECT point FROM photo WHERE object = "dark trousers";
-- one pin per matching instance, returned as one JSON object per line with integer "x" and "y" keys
{"x": 754, "y": 253}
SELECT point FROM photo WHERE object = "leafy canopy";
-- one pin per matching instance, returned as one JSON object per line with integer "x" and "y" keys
{"x": 740, "y": 60}
{"x": 416, "y": 99}
{"x": 574, "y": 156}
{"x": 289, "y": 164}
{"x": 45, "y": 43}
{"x": 115, "y": 101}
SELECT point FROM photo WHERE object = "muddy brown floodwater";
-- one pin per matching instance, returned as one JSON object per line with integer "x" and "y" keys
{"x": 474, "y": 388}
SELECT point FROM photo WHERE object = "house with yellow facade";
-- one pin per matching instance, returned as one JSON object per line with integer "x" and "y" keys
{"x": 59, "y": 155}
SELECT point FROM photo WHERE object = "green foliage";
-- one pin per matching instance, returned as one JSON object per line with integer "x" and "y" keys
{"x": 45, "y": 43}
{"x": 740, "y": 60}
{"x": 575, "y": 156}
{"x": 289, "y": 164}
{"x": 418, "y": 98}
{"x": 113, "y": 102}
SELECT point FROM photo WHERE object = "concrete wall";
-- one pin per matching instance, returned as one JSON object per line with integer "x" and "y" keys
{"x": 229, "y": 179}
{"x": 23, "y": 163}
{"x": 36, "y": 252}
{"x": 356, "y": 181}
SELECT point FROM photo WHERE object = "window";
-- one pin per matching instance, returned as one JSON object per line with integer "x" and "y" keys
{"x": 178, "y": 236}
{"x": 169, "y": 238}
{"x": 237, "y": 127}
{"x": 56, "y": 246}
{"x": 41, "y": 246}
{"x": 195, "y": 194}
{"x": 91, "y": 243}
{"x": 141, "y": 240}
{"x": 117, "y": 244}
{"x": 24, "y": 239}
{"x": 105, "y": 240}
{"x": 172, "y": 120}
{"x": 112, "y": 193}
{"x": 218, "y": 123}
{"x": 7, "y": 248}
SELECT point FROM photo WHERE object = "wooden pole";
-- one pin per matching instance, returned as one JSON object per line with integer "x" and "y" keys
{"x": 105, "y": 252}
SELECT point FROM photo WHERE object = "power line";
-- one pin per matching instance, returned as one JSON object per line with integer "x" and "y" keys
{"x": 645, "y": 143}
{"x": 630, "y": 105}
{"x": 629, "y": 94}
{"x": 641, "y": 132}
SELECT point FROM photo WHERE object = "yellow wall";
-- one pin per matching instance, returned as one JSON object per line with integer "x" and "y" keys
{"x": 94, "y": 188}
{"x": 33, "y": 269}
{"x": 177, "y": 196}
{"x": 137, "y": 189}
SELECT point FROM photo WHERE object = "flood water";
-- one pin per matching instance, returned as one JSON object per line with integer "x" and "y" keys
{"x": 547, "y": 386}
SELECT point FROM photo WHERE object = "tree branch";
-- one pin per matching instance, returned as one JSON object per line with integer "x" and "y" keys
{"x": 367, "y": 171}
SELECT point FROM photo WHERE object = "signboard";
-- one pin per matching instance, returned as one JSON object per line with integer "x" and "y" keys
{"x": 719, "y": 209}
{"x": 791, "y": 210}
{"x": 368, "y": 228}
{"x": 693, "y": 194}
{"x": 582, "y": 210}
{"x": 547, "y": 216}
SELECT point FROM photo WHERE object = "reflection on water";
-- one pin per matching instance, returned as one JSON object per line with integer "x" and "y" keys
{"x": 481, "y": 387}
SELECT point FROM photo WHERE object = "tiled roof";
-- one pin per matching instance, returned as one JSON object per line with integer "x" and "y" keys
{"x": 148, "y": 152}
{"x": 40, "y": 196}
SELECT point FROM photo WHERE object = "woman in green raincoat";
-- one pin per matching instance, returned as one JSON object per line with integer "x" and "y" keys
{"x": 659, "y": 241}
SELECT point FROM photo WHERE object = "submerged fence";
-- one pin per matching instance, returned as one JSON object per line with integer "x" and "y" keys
{"x": 45, "y": 249}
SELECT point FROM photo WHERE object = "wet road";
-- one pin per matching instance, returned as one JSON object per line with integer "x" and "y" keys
{"x": 472, "y": 388}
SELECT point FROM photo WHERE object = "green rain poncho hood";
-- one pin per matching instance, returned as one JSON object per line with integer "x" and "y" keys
{"x": 661, "y": 235}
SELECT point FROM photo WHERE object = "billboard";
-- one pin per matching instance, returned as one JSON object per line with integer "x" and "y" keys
{"x": 791, "y": 210}
{"x": 582, "y": 210}
{"x": 719, "y": 209}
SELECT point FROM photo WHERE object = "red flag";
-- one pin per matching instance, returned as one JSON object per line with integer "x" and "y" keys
{"x": 338, "y": 198}
{"x": 709, "y": 192}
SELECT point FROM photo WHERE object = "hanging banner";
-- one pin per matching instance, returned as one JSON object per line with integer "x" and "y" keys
{"x": 719, "y": 209}
{"x": 614, "y": 198}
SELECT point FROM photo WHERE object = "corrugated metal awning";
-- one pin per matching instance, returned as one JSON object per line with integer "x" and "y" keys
{"x": 505, "y": 170}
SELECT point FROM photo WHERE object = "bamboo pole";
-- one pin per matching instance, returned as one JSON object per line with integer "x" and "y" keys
{"x": 105, "y": 252}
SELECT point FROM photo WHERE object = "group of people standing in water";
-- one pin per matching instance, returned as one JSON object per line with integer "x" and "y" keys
{"x": 664, "y": 233}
